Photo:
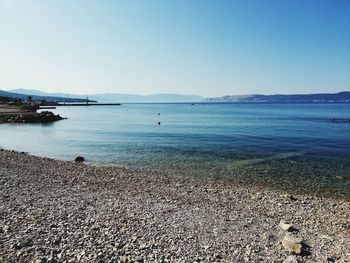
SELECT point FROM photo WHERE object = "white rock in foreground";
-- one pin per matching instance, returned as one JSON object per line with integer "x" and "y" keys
{"x": 292, "y": 244}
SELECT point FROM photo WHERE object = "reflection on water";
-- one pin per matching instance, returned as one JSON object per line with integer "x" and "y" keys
{"x": 291, "y": 146}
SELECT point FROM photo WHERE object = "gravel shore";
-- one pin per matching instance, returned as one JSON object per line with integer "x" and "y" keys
{"x": 59, "y": 211}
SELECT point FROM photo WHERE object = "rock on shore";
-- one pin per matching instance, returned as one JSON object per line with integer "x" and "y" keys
{"x": 32, "y": 117}
{"x": 57, "y": 211}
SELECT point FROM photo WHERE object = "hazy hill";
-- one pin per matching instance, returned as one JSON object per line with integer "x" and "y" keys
{"x": 119, "y": 97}
{"x": 24, "y": 96}
{"x": 341, "y": 97}
{"x": 47, "y": 94}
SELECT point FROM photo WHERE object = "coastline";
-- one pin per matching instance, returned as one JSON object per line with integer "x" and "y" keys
{"x": 26, "y": 113}
{"x": 57, "y": 211}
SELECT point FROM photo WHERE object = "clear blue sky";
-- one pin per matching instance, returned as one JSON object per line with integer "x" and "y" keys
{"x": 203, "y": 47}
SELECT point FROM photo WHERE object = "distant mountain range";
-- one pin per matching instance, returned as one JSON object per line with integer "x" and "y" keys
{"x": 43, "y": 96}
{"x": 117, "y": 97}
{"x": 341, "y": 97}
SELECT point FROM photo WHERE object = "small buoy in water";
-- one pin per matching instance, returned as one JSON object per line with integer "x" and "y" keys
{"x": 158, "y": 122}
{"x": 158, "y": 113}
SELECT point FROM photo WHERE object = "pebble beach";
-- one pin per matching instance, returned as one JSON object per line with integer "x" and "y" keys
{"x": 62, "y": 211}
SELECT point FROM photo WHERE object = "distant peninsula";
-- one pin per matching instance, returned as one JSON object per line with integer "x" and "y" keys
{"x": 341, "y": 97}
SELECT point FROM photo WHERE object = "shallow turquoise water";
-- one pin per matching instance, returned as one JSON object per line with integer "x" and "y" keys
{"x": 295, "y": 146}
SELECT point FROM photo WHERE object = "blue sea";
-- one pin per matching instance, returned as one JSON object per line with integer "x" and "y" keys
{"x": 296, "y": 147}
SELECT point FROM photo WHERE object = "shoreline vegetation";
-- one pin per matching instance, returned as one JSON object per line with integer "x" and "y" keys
{"x": 63, "y": 211}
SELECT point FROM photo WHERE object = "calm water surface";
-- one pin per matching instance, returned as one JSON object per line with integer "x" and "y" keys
{"x": 292, "y": 146}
